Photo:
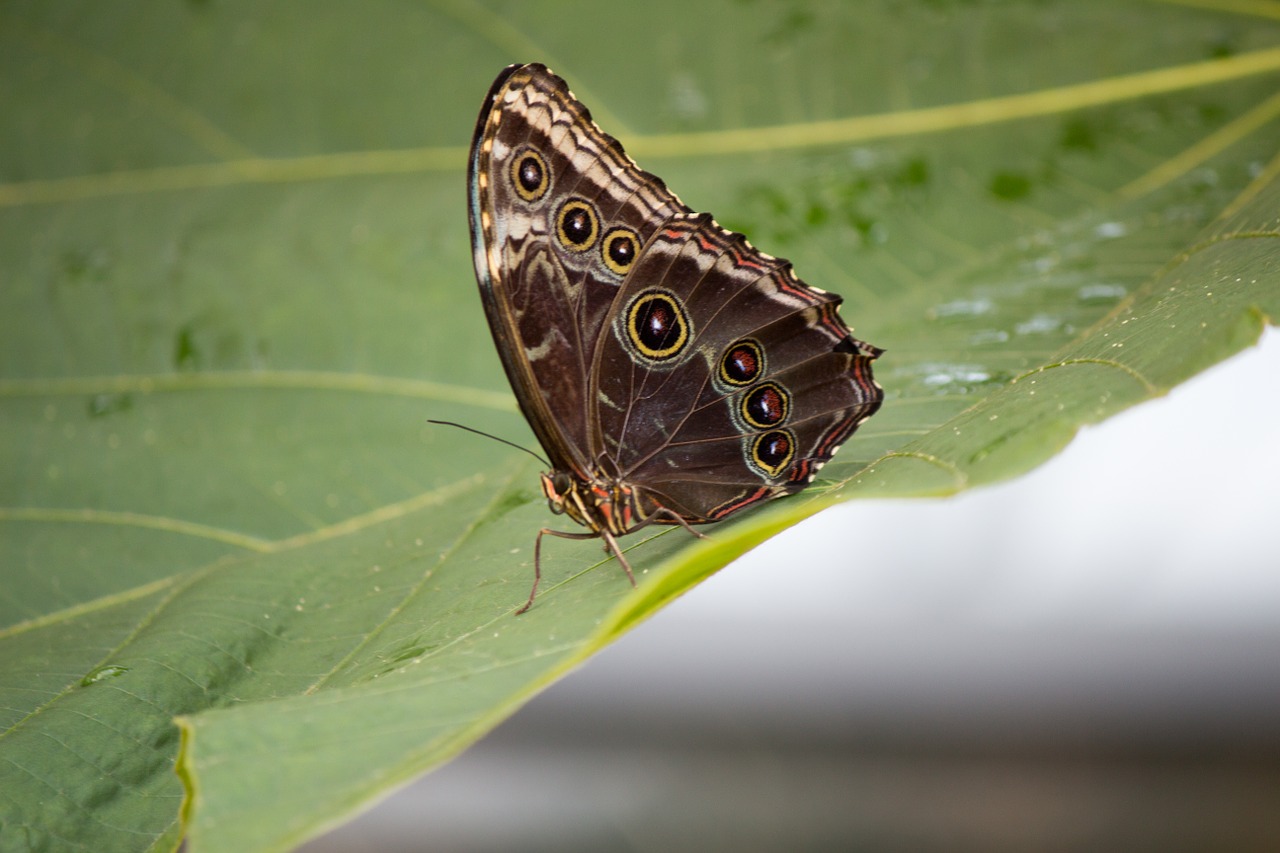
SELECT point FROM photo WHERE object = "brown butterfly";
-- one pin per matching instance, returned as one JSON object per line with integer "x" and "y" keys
{"x": 673, "y": 373}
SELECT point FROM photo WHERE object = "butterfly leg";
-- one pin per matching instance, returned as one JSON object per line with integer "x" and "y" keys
{"x": 537, "y": 559}
{"x": 678, "y": 519}
{"x": 611, "y": 546}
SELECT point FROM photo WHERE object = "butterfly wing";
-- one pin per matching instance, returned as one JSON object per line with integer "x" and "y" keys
{"x": 558, "y": 214}
{"x": 723, "y": 379}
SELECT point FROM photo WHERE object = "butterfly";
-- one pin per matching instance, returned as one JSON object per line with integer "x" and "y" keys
{"x": 672, "y": 372}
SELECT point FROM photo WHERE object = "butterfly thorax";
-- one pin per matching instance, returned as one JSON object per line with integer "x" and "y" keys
{"x": 599, "y": 504}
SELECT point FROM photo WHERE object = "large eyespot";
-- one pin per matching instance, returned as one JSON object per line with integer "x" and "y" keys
{"x": 766, "y": 406}
{"x": 742, "y": 363}
{"x": 772, "y": 452}
{"x": 577, "y": 225}
{"x": 530, "y": 175}
{"x": 657, "y": 325}
{"x": 619, "y": 249}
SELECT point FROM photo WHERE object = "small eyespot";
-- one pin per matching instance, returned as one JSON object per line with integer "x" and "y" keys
{"x": 619, "y": 249}
{"x": 772, "y": 452}
{"x": 766, "y": 406}
{"x": 577, "y": 225}
{"x": 530, "y": 175}
{"x": 657, "y": 325}
{"x": 742, "y": 363}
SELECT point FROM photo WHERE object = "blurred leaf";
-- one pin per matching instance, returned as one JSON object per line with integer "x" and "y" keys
{"x": 236, "y": 283}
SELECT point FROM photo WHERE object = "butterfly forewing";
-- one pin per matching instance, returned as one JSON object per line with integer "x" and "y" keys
{"x": 558, "y": 214}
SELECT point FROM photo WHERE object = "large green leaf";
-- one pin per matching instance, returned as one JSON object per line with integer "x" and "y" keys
{"x": 236, "y": 282}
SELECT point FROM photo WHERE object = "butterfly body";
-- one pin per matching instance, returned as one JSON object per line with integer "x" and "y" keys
{"x": 673, "y": 373}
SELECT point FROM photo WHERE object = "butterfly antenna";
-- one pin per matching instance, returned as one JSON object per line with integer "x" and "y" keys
{"x": 537, "y": 456}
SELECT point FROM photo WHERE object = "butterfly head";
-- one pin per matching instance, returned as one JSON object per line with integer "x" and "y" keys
{"x": 559, "y": 489}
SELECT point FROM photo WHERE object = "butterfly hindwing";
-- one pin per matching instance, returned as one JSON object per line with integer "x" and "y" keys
{"x": 758, "y": 383}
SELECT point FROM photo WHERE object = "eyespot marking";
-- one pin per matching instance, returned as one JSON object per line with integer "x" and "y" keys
{"x": 657, "y": 325}
{"x": 530, "y": 176}
{"x": 771, "y": 452}
{"x": 619, "y": 249}
{"x": 577, "y": 225}
{"x": 742, "y": 363}
{"x": 765, "y": 406}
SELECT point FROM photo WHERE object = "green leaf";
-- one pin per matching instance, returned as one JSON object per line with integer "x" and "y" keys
{"x": 236, "y": 284}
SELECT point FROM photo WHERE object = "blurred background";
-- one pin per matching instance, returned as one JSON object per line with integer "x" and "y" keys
{"x": 1029, "y": 666}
